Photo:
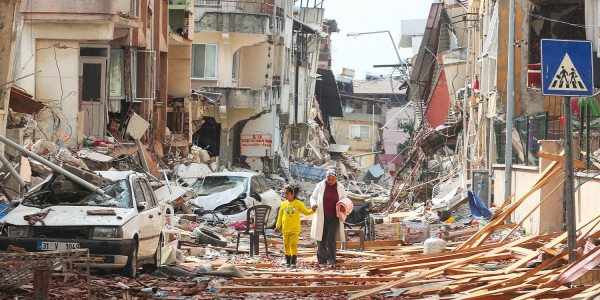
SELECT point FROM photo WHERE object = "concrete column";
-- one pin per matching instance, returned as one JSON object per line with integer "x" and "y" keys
{"x": 550, "y": 212}
{"x": 224, "y": 138}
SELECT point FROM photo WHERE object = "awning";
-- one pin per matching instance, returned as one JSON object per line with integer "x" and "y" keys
{"x": 309, "y": 28}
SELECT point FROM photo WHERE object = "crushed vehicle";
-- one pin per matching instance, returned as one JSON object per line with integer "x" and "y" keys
{"x": 226, "y": 196}
{"x": 121, "y": 222}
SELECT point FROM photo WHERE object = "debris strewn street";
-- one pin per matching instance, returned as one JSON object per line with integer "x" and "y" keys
{"x": 257, "y": 149}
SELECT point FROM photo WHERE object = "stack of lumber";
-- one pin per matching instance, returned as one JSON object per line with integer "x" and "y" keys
{"x": 484, "y": 266}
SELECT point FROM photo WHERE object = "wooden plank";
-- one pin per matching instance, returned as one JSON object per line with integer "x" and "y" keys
{"x": 440, "y": 263}
{"x": 332, "y": 279}
{"x": 478, "y": 238}
{"x": 295, "y": 288}
{"x": 561, "y": 159}
{"x": 504, "y": 215}
{"x": 524, "y": 276}
{"x": 521, "y": 262}
{"x": 513, "y": 244}
{"x": 530, "y": 212}
{"x": 360, "y": 254}
{"x": 484, "y": 294}
{"x": 422, "y": 258}
{"x": 421, "y": 275}
{"x": 283, "y": 274}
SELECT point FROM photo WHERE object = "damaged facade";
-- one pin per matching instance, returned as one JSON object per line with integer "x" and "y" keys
{"x": 458, "y": 91}
{"x": 258, "y": 61}
{"x": 93, "y": 65}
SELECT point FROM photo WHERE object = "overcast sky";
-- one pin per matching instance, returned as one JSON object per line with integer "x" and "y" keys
{"x": 362, "y": 52}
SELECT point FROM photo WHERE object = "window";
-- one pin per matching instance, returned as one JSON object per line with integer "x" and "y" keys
{"x": 359, "y": 132}
{"x": 204, "y": 61}
{"x": 235, "y": 65}
{"x": 400, "y": 148}
{"x": 117, "y": 88}
{"x": 148, "y": 194}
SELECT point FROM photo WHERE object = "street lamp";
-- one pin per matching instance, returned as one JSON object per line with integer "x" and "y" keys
{"x": 376, "y": 32}
{"x": 402, "y": 65}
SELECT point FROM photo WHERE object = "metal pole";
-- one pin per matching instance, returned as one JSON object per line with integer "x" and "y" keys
{"x": 52, "y": 166}
{"x": 373, "y": 130}
{"x": 41, "y": 282}
{"x": 510, "y": 101}
{"x": 569, "y": 194}
{"x": 395, "y": 47}
{"x": 464, "y": 116}
{"x": 12, "y": 171}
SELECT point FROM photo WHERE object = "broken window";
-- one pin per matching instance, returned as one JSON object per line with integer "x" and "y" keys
{"x": 62, "y": 191}
{"x": 204, "y": 61}
{"x": 359, "y": 132}
{"x": 218, "y": 184}
{"x": 116, "y": 84}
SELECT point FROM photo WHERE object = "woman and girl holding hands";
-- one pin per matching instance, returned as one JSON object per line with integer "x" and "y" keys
{"x": 326, "y": 227}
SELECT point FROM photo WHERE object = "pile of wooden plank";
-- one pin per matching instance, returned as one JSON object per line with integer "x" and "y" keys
{"x": 484, "y": 266}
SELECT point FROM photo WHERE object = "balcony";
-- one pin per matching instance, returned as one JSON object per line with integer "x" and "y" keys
{"x": 363, "y": 117}
{"x": 239, "y": 97}
{"x": 120, "y": 11}
{"x": 256, "y": 17}
{"x": 181, "y": 21}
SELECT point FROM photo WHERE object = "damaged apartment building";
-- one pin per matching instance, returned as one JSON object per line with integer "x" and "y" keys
{"x": 235, "y": 78}
{"x": 458, "y": 88}
{"x": 94, "y": 66}
{"x": 255, "y": 62}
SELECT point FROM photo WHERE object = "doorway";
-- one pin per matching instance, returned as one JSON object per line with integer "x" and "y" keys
{"x": 92, "y": 71}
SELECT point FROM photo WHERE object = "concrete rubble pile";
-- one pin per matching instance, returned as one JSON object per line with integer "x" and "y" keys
{"x": 199, "y": 257}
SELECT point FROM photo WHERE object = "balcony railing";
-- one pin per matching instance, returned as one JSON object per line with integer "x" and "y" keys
{"x": 251, "y": 7}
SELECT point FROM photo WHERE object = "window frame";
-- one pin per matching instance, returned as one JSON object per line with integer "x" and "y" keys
{"x": 235, "y": 66}
{"x": 114, "y": 53}
{"x": 350, "y": 130}
{"x": 216, "y": 58}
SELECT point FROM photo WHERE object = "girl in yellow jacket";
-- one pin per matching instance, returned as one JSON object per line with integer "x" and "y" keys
{"x": 288, "y": 220}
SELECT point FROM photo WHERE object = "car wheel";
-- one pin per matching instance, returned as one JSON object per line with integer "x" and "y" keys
{"x": 130, "y": 269}
{"x": 208, "y": 237}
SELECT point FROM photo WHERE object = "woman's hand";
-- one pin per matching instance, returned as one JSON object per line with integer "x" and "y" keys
{"x": 314, "y": 207}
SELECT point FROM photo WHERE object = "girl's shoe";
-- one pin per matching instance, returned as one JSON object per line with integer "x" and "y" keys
{"x": 288, "y": 261}
{"x": 293, "y": 261}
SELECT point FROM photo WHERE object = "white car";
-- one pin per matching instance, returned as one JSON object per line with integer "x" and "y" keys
{"x": 124, "y": 226}
{"x": 230, "y": 194}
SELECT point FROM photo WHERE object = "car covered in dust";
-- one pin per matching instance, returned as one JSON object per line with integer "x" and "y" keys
{"x": 228, "y": 196}
{"x": 123, "y": 226}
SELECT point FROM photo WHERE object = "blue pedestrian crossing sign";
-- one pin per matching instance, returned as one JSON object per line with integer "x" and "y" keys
{"x": 567, "y": 68}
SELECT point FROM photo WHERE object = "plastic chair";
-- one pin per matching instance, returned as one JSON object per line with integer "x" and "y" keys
{"x": 255, "y": 227}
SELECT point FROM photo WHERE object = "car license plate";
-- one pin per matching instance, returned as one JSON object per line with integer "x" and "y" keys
{"x": 56, "y": 246}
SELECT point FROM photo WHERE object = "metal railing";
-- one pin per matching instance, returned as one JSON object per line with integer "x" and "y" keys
{"x": 276, "y": 14}
{"x": 549, "y": 126}
{"x": 252, "y": 7}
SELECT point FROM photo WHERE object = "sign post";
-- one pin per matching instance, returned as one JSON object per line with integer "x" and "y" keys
{"x": 567, "y": 70}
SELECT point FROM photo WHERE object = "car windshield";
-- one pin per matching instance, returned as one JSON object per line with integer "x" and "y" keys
{"x": 217, "y": 184}
{"x": 116, "y": 195}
